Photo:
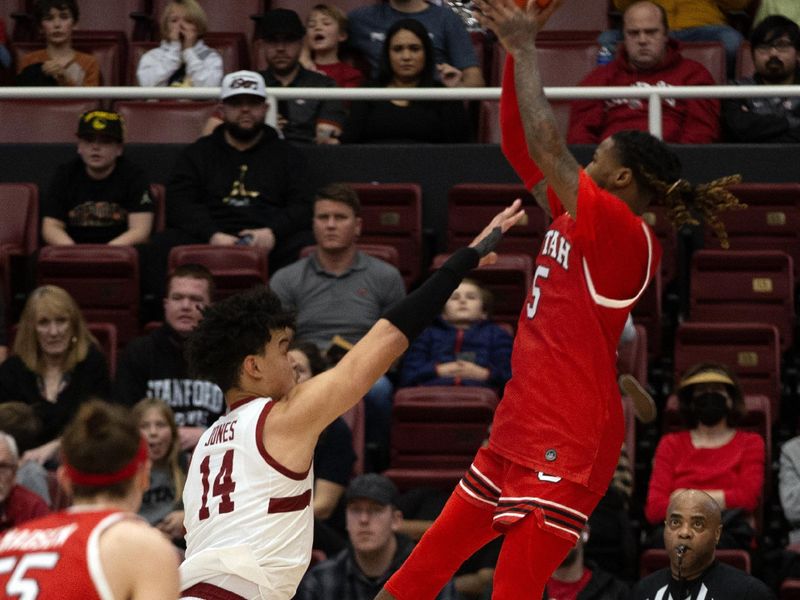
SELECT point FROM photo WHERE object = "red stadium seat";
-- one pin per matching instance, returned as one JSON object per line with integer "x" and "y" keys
{"x": 656, "y": 217}
{"x": 103, "y": 280}
{"x": 656, "y": 559}
{"x": 709, "y": 54}
{"x": 56, "y": 120}
{"x": 356, "y": 420}
{"x": 489, "y": 119}
{"x": 561, "y": 62}
{"x": 744, "y": 286}
{"x": 470, "y": 204}
{"x": 436, "y": 432}
{"x": 752, "y": 351}
{"x": 509, "y": 280}
{"x": 391, "y": 214}
{"x": 158, "y": 193}
{"x": 224, "y": 15}
{"x": 648, "y": 312}
{"x": 383, "y": 251}
{"x": 164, "y": 121}
{"x": 770, "y": 222}
{"x": 578, "y": 18}
{"x": 106, "y": 336}
{"x": 744, "y": 61}
{"x": 235, "y": 268}
{"x": 125, "y": 16}
{"x": 790, "y": 589}
{"x": 19, "y": 236}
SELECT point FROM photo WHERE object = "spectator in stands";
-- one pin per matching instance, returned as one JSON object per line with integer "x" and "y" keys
{"x": 3, "y": 334}
{"x": 326, "y": 31}
{"x": 647, "y": 58}
{"x": 182, "y": 58}
{"x": 299, "y": 120}
{"x": 162, "y": 503}
{"x": 240, "y": 185}
{"x": 98, "y": 197}
{"x": 58, "y": 63}
{"x": 407, "y": 62}
{"x": 462, "y": 347}
{"x": 712, "y": 455}
{"x": 774, "y": 45}
{"x": 692, "y": 21}
{"x": 5, "y": 55}
{"x": 454, "y": 56}
{"x": 333, "y": 460}
{"x": 787, "y": 8}
{"x": 338, "y": 275}
{"x": 692, "y": 529}
{"x": 19, "y": 420}
{"x": 376, "y": 550}
{"x": 56, "y": 365}
{"x": 17, "y": 504}
{"x": 153, "y": 366}
{"x": 789, "y": 486}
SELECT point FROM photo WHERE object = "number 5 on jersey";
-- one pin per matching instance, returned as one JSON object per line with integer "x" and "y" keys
{"x": 536, "y": 292}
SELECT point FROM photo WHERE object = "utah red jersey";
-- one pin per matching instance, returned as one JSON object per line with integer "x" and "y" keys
{"x": 57, "y": 557}
{"x": 561, "y": 412}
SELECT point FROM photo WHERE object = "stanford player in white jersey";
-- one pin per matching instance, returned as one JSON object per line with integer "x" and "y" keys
{"x": 98, "y": 549}
{"x": 248, "y": 491}
{"x": 558, "y": 430}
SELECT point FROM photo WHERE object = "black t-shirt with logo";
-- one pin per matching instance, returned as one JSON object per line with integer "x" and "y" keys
{"x": 96, "y": 211}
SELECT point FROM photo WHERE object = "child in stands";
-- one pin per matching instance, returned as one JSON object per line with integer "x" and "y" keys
{"x": 326, "y": 30}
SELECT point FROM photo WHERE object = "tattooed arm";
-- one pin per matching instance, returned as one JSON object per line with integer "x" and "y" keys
{"x": 517, "y": 29}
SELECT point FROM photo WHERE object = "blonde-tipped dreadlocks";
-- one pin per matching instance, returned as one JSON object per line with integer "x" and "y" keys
{"x": 657, "y": 171}
{"x": 707, "y": 199}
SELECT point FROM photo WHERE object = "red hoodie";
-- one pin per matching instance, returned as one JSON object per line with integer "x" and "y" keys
{"x": 684, "y": 121}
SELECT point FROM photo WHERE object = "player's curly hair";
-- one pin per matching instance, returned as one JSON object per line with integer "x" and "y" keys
{"x": 657, "y": 171}
{"x": 231, "y": 330}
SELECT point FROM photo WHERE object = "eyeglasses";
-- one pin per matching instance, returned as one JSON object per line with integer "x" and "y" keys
{"x": 779, "y": 45}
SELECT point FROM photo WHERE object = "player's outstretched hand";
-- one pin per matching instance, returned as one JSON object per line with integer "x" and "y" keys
{"x": 487, "y": 239}
{"x": 515, "y": 26}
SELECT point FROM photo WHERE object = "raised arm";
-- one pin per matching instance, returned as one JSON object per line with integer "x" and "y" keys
{"x": 517, "y": 28}
{"x": 323, "y": 398}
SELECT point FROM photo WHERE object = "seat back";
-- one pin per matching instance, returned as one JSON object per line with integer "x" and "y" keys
{"x": 158, "y": 193}
{"x": 770, "y": 222}
{"x": 382, "y": 251}
{"x": 648, "y": 312}
{"x": 709, "y": 54}
{"x": 56, "y": 120}
{"x": 744, "y": 61}
{"x": 224, "y": 15}
{"x": 469, "y": 205}
{"x": 509, "y": 280}
{"x": 116, "y": 16}
{"x": 751, "y": 350}
{"x": 164, "y": 121}
{"x": 103, "y": 280}
{"x": 234, "y": 268}
{"x": 391, "y": 215}
{"x": 436, "y": 432}
{"x": 489, "y": 119}
{"x": 19, "y": 204}
{"x": 579, "y": 18}
{"x": 562, "y": 62}
{"x": 655, "y": 559}
{"x": 658, "y": 220}
{"x": 106, "y": 336}
{"x": 744, "y": 286}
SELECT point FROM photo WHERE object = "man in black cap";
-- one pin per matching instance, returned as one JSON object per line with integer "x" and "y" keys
{"x": 98, "y": 197}
{"x": 376, "y": 550}
{"x": 300, "y": 120}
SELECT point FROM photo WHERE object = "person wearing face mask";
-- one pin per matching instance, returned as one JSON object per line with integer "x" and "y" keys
{"x": 711, "y": 455}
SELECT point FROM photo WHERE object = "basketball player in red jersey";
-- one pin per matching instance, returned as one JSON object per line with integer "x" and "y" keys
{"x": 558, "y": 430}
{"x": 98, "y": 549}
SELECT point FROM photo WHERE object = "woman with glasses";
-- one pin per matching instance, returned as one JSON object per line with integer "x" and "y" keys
{"x": 55, "y": 367}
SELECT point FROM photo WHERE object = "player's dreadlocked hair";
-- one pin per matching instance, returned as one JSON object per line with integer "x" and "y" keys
{"x": 657, "y": 171}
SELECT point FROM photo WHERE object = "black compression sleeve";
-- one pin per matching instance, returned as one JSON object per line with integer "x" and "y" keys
{"x": 417, "y": 310}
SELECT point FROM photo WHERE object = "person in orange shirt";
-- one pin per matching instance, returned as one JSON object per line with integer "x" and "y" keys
{"x": 58, "y": 63}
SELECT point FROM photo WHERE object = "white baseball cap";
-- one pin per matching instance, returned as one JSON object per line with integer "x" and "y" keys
{"x": 243, "y": 82}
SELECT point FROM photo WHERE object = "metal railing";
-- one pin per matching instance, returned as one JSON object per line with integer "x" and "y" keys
{"x": 654, "y": 95}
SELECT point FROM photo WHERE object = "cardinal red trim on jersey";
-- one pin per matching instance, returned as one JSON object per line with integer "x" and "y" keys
{"x": 241, "y": 402}
{"x": 262, "y": 418}
{"x": 289, "y": 503}
{"x": 207, "y": 591}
